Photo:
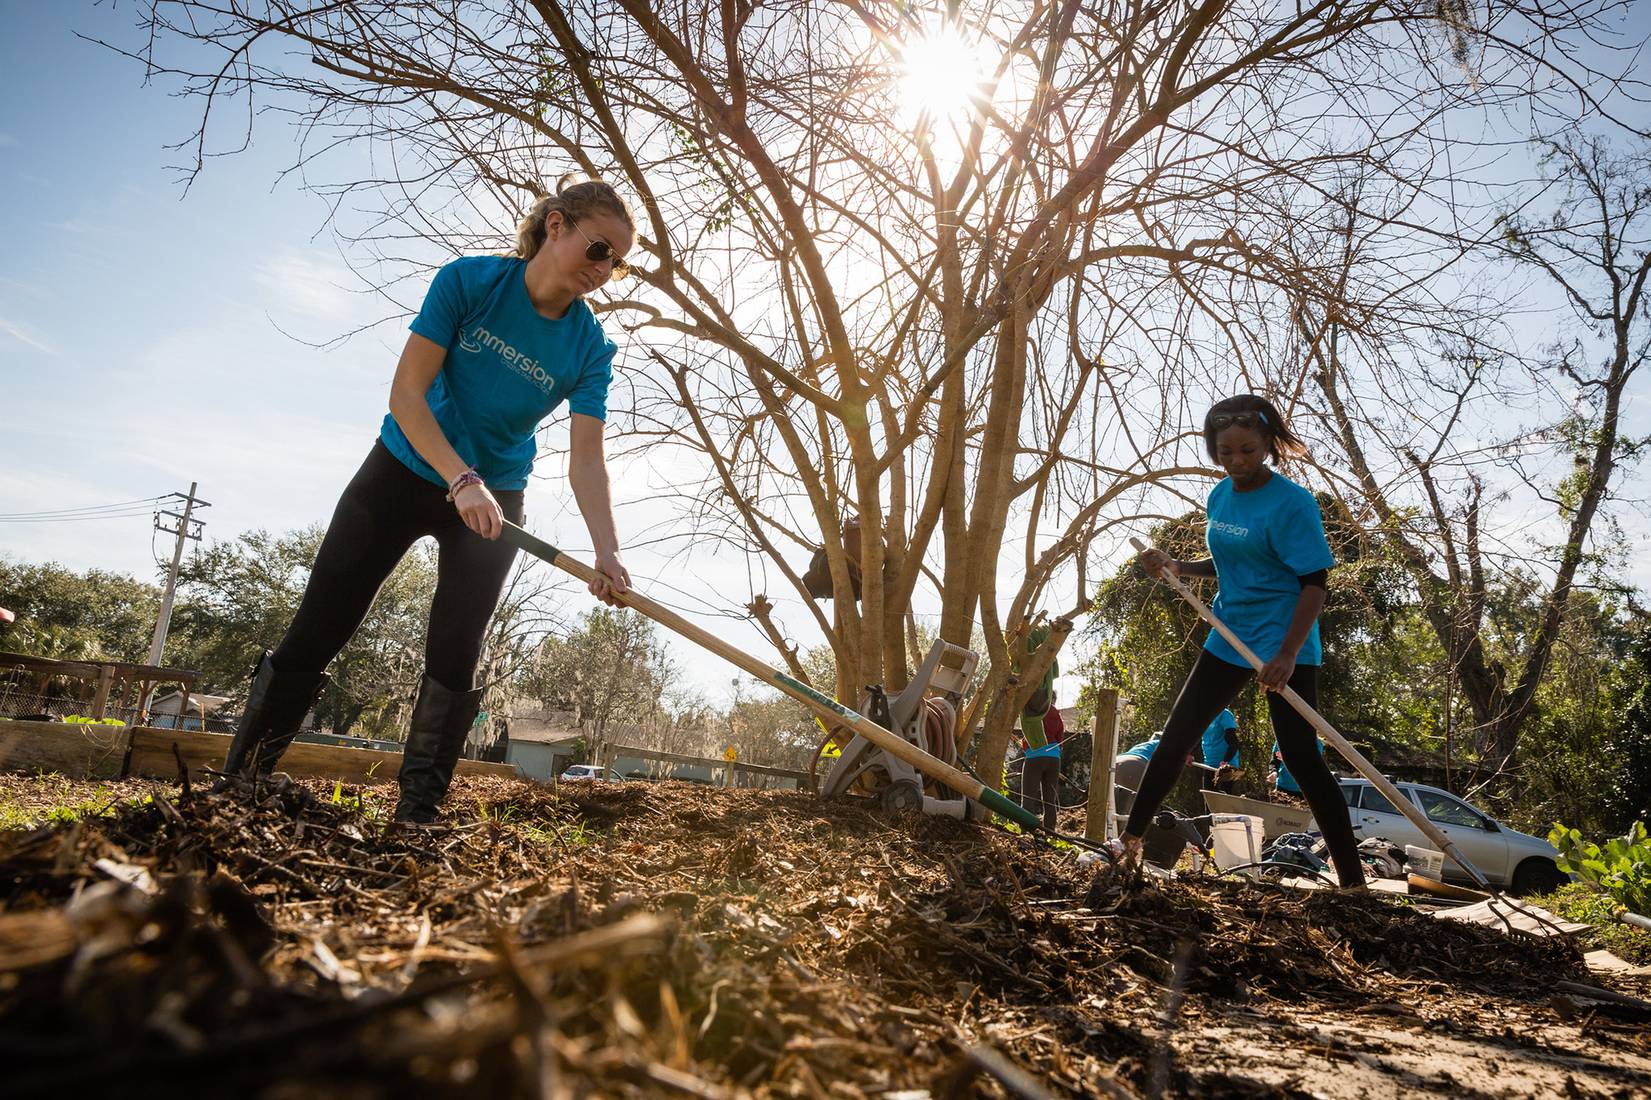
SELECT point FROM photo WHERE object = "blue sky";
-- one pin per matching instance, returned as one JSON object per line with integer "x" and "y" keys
{"x": 132, "y": 318}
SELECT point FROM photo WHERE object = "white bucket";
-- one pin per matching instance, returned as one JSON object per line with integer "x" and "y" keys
{"x": 1425, "y": 862}
{"x": 1235, "y": 841}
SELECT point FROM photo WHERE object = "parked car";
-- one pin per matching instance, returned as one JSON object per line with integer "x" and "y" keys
{"x": 591, "y": 771}
{"x": 1505, "y": 856}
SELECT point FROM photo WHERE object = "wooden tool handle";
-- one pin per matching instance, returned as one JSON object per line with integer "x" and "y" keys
{"x": 823, "y": 705}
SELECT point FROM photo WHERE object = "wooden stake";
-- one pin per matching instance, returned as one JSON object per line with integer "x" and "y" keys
{"x": 1098, "y": 816}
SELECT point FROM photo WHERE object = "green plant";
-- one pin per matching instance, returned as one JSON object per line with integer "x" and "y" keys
{"x": 353, "y": 802}
{"x": 572, "y": 834}
{"x": 1622, "y": 868}
{"x": 82, "y": 720}
{"x": 501, "y": 814}
{"x": 1582, "y": 901}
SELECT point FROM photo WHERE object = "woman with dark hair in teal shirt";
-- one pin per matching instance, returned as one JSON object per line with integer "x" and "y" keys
{"x": 1221, "y": 752}
{"x": 1270, "y": 557}
{"x": 499, "y": 343}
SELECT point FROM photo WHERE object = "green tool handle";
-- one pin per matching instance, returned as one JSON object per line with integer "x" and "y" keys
{"x": 823, "y": 705}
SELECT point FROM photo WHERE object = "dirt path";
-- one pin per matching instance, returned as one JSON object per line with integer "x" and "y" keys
{"x": 1507, "y": 1050}
{"x": 669, "y": 939}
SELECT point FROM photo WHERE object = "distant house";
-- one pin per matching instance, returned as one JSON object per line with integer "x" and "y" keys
{"x": 543, "y": 743}
{"x": 163, "y": 711}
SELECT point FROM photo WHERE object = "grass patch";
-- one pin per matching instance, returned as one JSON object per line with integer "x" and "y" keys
{"x": 572, "y": 833}
{"x": 54, "y": 807}
{"x": 1579, "y": 901}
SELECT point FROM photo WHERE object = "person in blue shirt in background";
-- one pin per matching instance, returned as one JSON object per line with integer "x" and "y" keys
{"x": 1271, "y": 559}
{"x": 1281, "y": 778}
{"x": 1040, "y": 777}
{"x": 1220, "y": 750}
{"x": 1128, "y": 769}
{"x": 499, "y": 343}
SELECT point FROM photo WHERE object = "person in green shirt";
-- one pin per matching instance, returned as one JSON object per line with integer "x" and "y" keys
{"x": 1041, "y": 775}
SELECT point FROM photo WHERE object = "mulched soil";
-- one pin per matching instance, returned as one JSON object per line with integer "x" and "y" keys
{"x": 666, "y": 939}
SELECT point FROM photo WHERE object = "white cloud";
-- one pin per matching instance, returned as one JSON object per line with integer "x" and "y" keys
{"x": 303, "y": 287}
{"x": 25, "y": 336}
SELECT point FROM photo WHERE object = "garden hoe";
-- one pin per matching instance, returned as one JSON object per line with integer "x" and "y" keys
{"x": 876, "y": 755}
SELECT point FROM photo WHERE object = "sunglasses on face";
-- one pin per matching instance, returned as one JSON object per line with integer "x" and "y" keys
{"x": 597, "y": 251}
{"x": 1221, "y": 421}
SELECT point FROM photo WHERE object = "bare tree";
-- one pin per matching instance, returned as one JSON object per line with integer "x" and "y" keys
{"x": 1429, "y": 505}
{"x": 530, "y": 609}
{"x": 611, "y": 670}
{"x": 969, "y": 322}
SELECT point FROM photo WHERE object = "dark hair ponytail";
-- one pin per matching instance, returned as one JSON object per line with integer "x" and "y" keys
{"x": 1283, "y": 445}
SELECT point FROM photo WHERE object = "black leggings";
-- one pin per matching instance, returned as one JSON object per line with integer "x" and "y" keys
{"x": 1213, "y": 685}
{"x": 384, "y": 510}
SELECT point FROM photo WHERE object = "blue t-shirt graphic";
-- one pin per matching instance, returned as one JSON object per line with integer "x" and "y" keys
{"x": 1215, "y": 740}
{"x": 1262, "y": 541}
{"x": 508, "y": 367}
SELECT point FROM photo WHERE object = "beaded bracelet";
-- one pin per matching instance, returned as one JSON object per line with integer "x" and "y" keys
{"x": 463, "y": 481}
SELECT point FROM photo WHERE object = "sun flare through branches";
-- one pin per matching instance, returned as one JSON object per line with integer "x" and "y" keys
{"x": 943, "y": 76}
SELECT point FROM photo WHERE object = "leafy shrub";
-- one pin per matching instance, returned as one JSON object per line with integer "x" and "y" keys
{"x": 1621, "y": 869}
{"x": 1582, "y": 901}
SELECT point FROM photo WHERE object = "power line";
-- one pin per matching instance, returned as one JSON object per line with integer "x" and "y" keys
{"x": 141, "y": 506}
{"x": 84, "y": 519}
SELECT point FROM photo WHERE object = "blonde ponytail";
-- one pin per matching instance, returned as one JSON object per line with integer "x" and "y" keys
{"x": 575, "y": 199}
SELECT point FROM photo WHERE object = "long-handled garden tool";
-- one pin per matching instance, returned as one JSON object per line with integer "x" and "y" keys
{"x": 826, "y": 707}
{"x": 1328, "y": 732}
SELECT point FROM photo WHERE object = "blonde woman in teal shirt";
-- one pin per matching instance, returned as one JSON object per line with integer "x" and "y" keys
{"x": 499, "y": 344}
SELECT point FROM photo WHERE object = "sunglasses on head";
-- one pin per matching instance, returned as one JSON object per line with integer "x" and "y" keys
{"x": 597, "y": 251}
{"x": 1250, "y": 419}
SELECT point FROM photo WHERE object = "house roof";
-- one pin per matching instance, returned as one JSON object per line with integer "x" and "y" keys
{"x": 540, "y": 731}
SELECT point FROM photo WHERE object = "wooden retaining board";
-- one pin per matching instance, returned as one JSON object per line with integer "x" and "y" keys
{"x": 110, "y": 752}
{"x": 152, "y": 756}
{"x": 70, "y": 748}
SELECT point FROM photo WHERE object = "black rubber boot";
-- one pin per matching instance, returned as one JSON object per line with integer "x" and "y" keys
{"x": 441, "y": 722}
{"x": 275, "y": 708}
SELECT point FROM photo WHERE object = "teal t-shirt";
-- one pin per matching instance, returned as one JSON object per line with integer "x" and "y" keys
{"x": 1286, "y": 781}
{"x": 508, "y": 367}
{"x": 1262, "y": 541}
{"x": 1144, "y": 750}
{"x": 1215, "y": 740}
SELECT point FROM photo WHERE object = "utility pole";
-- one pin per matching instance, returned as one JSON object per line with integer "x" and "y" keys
{"x": 183, "y": 531}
